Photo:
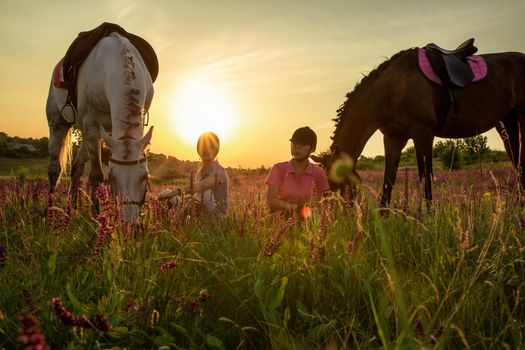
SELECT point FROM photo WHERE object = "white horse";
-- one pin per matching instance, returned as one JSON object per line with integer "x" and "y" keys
{"x": 114, "y": 90}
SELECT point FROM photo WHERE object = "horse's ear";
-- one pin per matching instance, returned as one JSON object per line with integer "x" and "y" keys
{"x": 107, "y": 138}
{"x": 147, "y": 138}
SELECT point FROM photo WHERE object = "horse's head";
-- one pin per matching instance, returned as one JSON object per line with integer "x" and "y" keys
{"x": 128, "y": 171}
{"x": 340, "y": 170}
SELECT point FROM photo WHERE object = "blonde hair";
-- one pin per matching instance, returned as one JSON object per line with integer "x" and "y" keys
{"x": 208, "y": 139}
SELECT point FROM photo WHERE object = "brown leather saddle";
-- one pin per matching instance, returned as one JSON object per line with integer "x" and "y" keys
{"x": 82, "y": 46}
{"x": 452, "y": 67}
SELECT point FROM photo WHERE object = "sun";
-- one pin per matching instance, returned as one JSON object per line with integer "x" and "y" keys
{"x": 202, "y": 106}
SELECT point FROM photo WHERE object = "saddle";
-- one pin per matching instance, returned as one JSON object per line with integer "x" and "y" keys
{"x": 452, "y": 69}
{"x": 451, "y": 65}
{"x": 82, "y": 46}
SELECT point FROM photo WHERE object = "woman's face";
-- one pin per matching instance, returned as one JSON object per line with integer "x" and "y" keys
{"x": 207, "y": 147}
{"x": 300, "y": 151}
{"x": 208, "y": 153}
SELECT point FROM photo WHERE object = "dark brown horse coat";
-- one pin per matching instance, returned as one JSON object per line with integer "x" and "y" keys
{"x": 398, "y": 100}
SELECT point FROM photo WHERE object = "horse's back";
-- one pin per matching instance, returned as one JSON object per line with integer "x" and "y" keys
{"x": 114, "y": 85}
{"x": 512, "y": 63}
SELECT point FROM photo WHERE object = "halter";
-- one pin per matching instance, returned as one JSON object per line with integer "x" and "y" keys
{"x": 137, "y": 203}
{"x": 129, "y": 163}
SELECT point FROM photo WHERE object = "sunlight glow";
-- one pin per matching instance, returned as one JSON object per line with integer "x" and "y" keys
{"x": 200, "y": 106}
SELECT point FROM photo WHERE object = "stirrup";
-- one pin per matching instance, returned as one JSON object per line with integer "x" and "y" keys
{"x": 69, "y": 113}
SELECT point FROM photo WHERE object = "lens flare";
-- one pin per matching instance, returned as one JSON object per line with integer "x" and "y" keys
{"x": 342, "y": 169}
{"x": 305, "y": 212}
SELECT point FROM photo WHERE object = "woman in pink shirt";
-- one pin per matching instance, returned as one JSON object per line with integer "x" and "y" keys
{"x": 291, "y": 184}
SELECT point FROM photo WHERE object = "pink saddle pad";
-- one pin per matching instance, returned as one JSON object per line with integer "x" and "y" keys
{"x": 477, "y": 63}
{"x": 58, "y": 75}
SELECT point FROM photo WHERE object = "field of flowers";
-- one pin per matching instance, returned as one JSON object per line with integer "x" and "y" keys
{"x": 345, "y": 276}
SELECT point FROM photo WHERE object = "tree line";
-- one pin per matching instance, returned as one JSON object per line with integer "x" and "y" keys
{"x": 451, "y": 154}
{"x": 19, "y": 147}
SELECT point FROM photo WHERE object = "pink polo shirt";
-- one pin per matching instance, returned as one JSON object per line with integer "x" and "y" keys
{"x": 297, "y": 189}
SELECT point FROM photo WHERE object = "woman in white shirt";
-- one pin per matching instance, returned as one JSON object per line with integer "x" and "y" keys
{"x": 210, "y": 186}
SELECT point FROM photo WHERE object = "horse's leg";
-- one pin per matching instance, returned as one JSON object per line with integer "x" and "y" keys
{"x": 393, "y": 148}
{"x": 509, "y": 133}
{"x": 423, "y": 145}
{"x": 77, "y": 170}
{"x": 521, "y": 141}
{"x": 92, "y": 140}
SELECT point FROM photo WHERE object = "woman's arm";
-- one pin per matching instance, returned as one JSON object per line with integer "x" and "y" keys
{"x": 277, "y": 204}
{"x": 168, "y": 194}
{"x": 199, "y": 186}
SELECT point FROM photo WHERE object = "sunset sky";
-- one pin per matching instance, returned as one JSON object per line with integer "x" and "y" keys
{"x": 264, "y": 67}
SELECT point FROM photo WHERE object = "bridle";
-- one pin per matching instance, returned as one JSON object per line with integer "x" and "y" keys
{"x": 129, "y": 163}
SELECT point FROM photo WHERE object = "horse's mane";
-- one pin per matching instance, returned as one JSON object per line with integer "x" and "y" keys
{"x": 360, "y": 86}
{"x": 131, "y": 94}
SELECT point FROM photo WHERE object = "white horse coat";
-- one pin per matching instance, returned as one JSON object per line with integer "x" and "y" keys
{"x": 114, "y": 90}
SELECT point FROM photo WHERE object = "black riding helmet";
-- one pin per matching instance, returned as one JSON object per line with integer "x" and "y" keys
{"x": 305, "y": 135}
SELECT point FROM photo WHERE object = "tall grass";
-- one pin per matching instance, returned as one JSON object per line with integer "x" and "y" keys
{"x": 452, "y": 276}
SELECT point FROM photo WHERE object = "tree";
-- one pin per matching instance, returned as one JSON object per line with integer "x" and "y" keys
{"x": 449, "y": 153}
{"x": 474, "y": 149}
{"x": 408, "y": 156}
{"x": 41, "y": 146}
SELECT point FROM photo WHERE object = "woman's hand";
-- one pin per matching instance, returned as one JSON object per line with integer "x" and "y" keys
{"x": 166, "y": 194}
{"x": 209, "y": 181}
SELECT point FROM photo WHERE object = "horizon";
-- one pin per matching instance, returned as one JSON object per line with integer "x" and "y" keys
{"x": 264, "y": 69}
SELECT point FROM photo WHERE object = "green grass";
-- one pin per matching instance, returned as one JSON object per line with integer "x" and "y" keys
{"x": 23, "y": 167}
{"x": 449, "y": 277}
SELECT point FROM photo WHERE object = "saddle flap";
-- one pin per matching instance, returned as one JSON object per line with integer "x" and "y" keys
{"x": 458, "y": 72}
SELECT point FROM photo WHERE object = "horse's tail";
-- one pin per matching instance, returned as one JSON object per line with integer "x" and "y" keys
{"x": 66, "y": 152}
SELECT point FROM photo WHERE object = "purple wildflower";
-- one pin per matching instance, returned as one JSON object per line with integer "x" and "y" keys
{"x": 30, "y": 301}
{"x": 101, "y": 323}
{"x": 275, "y": 240}
{"x": 352, "y": 244}
{"x": 194, "y": 304}
{"x": 170, "y": 265}
{"x": 68, "y": 319}
{"x": 522, "y": 222}
{"x": 30, "y": 337}
{"x": 3, "y": 255}
{"x": 131, "y": 306}
{"x": 57, "y": 218}
{"x": 102, "y": 194}
{"x": 107, "y": 219}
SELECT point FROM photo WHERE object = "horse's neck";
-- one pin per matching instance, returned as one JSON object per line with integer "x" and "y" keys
{"x": 356, "y": 130}
{"x": 121, "y": 130}
{"x": 127, "y": 93}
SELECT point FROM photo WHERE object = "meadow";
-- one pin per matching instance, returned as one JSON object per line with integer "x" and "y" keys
{"x": 345, "y": 275}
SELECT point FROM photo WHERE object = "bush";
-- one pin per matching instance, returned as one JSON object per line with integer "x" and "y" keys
{"x": 449, "y": 153}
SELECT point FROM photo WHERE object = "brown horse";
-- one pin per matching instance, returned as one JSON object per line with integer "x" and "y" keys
{"x": 397, "y": 99}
